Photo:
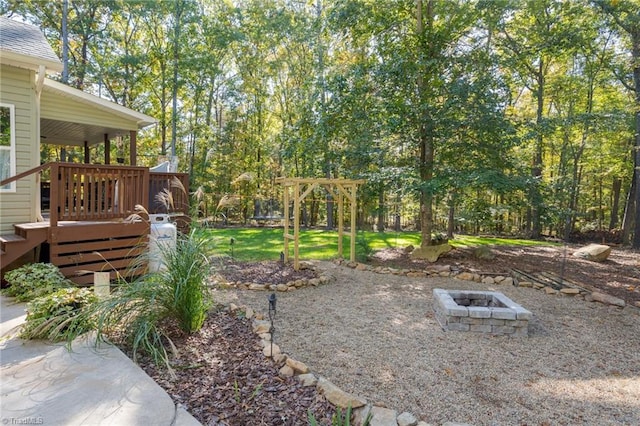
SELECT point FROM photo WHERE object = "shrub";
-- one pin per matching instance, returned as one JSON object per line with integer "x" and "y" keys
{"x": 59, "y": 315}
{"x": 34, "y": 280}
{"x": 148, "y": 309}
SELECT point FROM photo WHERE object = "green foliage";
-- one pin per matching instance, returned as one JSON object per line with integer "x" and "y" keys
{"x": 147, "y": 310}
{"x": 61, "y": 315}
{"x": 34, "y": 280}
{"x": 338, "y": 419}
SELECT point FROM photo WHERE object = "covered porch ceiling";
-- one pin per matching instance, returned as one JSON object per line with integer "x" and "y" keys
{"x": 72, "y": 117}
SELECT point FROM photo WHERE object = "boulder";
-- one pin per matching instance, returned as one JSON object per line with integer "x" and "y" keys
{"x": 431, "y": 253}
{"x": 484, "y": 253}
{"x": 297, "y": 366}
{"x": 593, "y": 252}
{"x": 408, "y": 249}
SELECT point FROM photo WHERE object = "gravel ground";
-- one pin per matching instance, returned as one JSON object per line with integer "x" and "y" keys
{"x": 375, "y": 336}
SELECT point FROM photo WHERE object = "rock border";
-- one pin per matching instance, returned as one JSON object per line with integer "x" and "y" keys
{"x": 290, "y": 367}
{"x": 284, "y": 287}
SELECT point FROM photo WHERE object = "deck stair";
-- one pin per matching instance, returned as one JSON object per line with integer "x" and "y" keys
{"x": 26, "y": 236}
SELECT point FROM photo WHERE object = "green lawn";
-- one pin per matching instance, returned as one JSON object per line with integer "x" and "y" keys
{"x": 255, "y": 244}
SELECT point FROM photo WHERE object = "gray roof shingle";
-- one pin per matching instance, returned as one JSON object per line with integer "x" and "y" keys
{"x": 26, "y": 40}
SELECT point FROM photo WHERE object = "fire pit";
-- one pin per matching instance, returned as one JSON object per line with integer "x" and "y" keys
{"x": 480, "y": 311}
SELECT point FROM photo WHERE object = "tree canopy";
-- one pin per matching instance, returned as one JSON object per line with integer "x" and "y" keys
{"x": 498, "y": 116}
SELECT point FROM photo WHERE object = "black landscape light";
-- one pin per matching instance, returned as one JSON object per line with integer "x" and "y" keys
{"x": 232, "y": 241}
{"x": 272, "y": 314}
{"x": 281, "y": 260}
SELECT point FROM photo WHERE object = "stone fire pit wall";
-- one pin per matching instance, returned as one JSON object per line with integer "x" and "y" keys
{"x": 480, "y": 311}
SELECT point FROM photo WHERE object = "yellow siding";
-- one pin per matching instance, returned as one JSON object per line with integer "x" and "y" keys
{"x": 17, "y": 87}
{"x": 57, "y": 107}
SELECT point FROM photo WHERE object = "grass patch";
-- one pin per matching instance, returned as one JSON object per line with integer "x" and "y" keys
{"x": 256, "y": 244}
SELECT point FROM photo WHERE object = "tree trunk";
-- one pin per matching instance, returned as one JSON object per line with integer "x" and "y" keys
{"x": 451, "y": 218}
{"x": 615, "y": 204}
{"x": 536, "y": 169}
{"x": 381, "y": 210}
{"x": 425, "y": 129}
{"x": 627, "y": 220}
{"x": 635, "y": 37}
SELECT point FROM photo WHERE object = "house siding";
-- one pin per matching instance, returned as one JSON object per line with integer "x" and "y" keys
{"x": 17, "y": 87}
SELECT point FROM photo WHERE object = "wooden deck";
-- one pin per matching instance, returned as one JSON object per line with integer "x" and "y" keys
{"x": 89, "y": 226}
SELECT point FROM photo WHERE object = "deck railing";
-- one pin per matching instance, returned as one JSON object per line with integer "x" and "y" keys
{"x": 95, "y": 192}
{"x": 176, "y": 185}
{"x": 85, "y": 192}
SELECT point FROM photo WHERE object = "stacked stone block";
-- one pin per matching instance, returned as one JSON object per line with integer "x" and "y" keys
{"x": 480, "y": 311}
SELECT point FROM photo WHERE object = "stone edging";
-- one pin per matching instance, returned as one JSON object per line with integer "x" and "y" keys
{"x": 290, "y": 367}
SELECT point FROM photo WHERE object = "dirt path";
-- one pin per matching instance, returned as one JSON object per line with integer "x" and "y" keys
{"x": 375, "y": 336}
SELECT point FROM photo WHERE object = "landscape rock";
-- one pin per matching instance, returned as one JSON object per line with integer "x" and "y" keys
{"x": 466, "y": 276}
{"x": 408, "y": 249}
{"x": 607, "y": 299}
{"x": 260, "y": 327}
{"x": 248, "y": 313}
{"x": 525, "y": 284}
{"x": 267, "y": 351}
{"x": 431, "y": 253}
{"x": 407, "y": 419}
{"x": 337, "y": 396}
{"x": 593, "y": 252}
{"x": 550, "y": 290}
{"x": 286, "y": 371}
{"x": 256, "y": 286}
{"x": 570, "y": 291}
{"x": 307, "y": 379}
{"x": 360, "y": 415}
{"x": 484, "y": 253}
{"x": 297, "y": 366}
{"x": 361, "y": 267}
{"x": 383, "y": 417}
{"x": 488, "y": 280}
{"x": 282, "y": 287}
{"x": 507, "y": 281}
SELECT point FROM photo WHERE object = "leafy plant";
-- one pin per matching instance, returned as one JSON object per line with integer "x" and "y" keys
{"x": 60, "y": 315}
{"x": 148, "y": 309}
{"x": 34, "y": 280}
{"x": 338, "y": 419}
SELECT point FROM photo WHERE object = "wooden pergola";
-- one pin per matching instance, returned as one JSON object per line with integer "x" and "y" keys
{"x": 298, "y": 189}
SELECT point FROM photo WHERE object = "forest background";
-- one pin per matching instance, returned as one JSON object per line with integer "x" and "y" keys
{"x": 484, "y": 116}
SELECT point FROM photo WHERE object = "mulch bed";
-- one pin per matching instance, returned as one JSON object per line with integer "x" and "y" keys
{"x": 224, "y": 379}
{"x": 265, "y": 272}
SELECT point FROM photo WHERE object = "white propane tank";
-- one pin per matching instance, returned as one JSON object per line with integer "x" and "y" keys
{"x": 162, "y": 238}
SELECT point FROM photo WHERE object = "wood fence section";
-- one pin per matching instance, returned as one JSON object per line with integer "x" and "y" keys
{"x": 81, "y": 248}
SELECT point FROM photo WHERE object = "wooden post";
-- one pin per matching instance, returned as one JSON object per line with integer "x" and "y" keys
{"x": 101, "y": 284}
{"x": 286, "y": 222}
{"x": 133, "y": 154}
{"x": 87, "y": 156}
{"x": 107, "y": 149}
{"x": 296, "y": 226}
{"x": 340, "y": 223}
{"x": 354, "y": 189}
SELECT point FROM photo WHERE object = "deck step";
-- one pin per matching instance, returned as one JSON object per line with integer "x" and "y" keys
{"x": 11, "y": 238}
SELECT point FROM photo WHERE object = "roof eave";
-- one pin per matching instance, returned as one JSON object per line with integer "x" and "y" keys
{"x": 29, "y": 62}
{"x": 142, "y": 120}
